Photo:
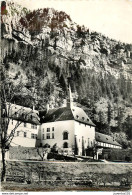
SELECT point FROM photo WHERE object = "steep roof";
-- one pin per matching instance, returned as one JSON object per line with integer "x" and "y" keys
{"x": 100, "y": 137}
{"x": 66, "y": 113}
{"x": 24, "y": 114}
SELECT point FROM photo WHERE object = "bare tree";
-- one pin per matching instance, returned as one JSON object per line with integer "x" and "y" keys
{"x": 8, "y": 92}
{"x": 42, "y": 152}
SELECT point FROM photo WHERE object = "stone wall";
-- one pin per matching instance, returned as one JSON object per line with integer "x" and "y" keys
{"x": 25, "y": 153}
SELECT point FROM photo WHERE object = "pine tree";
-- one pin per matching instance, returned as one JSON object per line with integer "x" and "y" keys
{"x": 109, "y": 117}
{"x": 83, "y": 149}
{"x": 75, "y": 147}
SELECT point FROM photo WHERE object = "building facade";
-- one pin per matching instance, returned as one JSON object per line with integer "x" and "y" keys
{"x": 24, "y": 124}
{"x": 25, "y": 135}
{"x": 68, "y": 127}
{"x": 106, "y": 141}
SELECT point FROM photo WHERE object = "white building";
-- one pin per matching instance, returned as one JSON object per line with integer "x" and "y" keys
{"x": 25, "y": 123}
{"x": 106, "y": 141}
{"x": 72, "y": 131}
{"x": 68, "y": 127}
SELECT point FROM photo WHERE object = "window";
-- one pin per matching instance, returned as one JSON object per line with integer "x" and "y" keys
{"x": 12, "y": 121}
{"x": 17, "y": 133}
{"x": 32, "y": 135}
{"x": 16, "y": 114}
{"x": 52, "y": 128}
{"x": 65, "y": 135}
{"x": 83, "y": 118}
{"x": 31, "y": 117}
{"x": 65, "y": 145}
{"x": 25, "y": 134}
{"x": 48, "y": 136}
{"x": 87, "y": 119}
{"x": 25, "y": 124}
{"x": 52, "y": 135}
{"x": 48, "y": 129}
{"x": 33, "y": 126}
{"x": 35, "y": 136}
{"x": 77, "y": 116}
{"x": 43, "y": 136}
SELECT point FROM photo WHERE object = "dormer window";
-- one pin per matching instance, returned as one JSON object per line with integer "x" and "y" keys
{"x": 77, "y": 116}
{"x": 87, "y": 119}
{"x": 16, "y": 114}
{"x": 107, "y": 138}
{"x": 83, "y": 118}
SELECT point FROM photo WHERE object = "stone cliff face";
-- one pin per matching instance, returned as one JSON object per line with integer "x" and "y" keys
{"x": 56, "y": 31}
{"x": 45, "y": 46}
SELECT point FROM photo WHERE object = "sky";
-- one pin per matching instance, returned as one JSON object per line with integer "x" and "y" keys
{"x": 113, "y": 18}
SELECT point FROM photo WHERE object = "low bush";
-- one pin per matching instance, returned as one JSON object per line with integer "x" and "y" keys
{"x": 117, "y": 154}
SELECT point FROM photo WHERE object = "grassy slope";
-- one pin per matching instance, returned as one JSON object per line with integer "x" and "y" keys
{"x": 62, "y": 176}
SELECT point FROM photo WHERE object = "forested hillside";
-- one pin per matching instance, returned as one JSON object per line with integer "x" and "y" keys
{"x": 41, "y": 49}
